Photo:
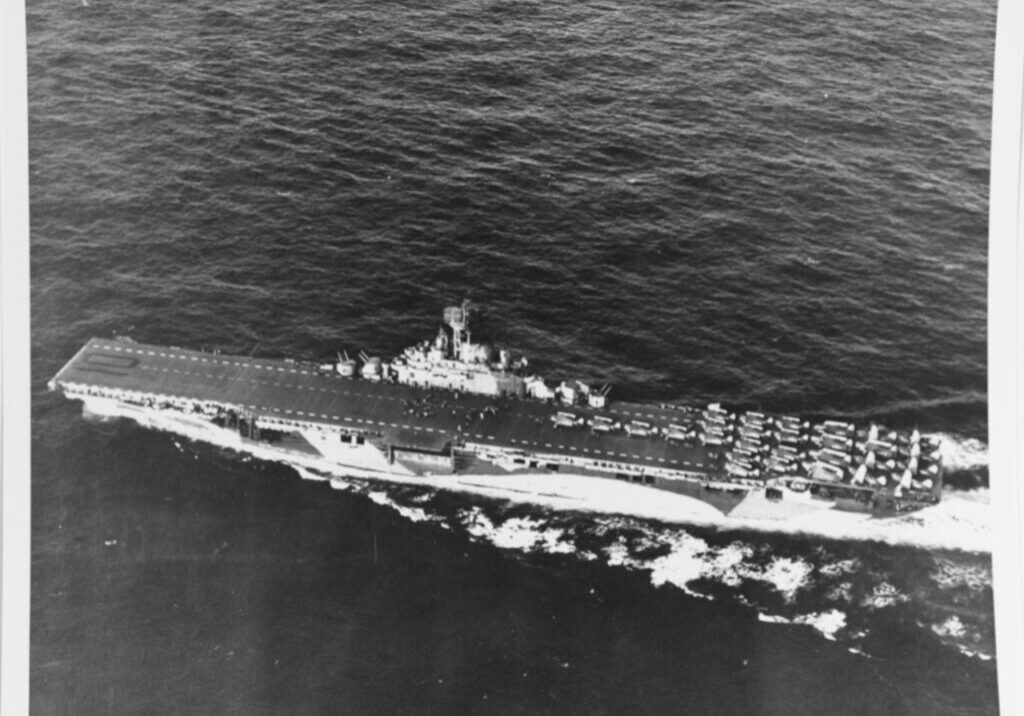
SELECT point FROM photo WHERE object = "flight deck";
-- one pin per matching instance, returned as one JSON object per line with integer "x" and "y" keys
{"x": 400, "y": 415}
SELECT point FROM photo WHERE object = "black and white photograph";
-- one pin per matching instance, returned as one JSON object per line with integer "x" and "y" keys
{"x": 510, "y": 357}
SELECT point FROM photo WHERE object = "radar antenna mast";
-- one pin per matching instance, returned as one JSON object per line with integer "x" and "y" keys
{"x": 458, "y": 318}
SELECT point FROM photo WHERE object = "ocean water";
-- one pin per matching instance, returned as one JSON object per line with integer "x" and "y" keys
{"x": 776, "y": 204}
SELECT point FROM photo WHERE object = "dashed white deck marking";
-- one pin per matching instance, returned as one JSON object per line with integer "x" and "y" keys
{"x": 320, "y": 384}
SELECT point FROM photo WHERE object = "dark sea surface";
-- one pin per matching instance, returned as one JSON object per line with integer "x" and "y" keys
{"x": 773, "y": 204}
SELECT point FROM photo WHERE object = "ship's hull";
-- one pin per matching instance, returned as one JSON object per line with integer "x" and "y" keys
{"x": 283, "y": 410}
{"x": 701, "y": 501}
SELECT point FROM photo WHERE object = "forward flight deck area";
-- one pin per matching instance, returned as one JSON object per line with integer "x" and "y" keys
{"x": 400, "y": 415}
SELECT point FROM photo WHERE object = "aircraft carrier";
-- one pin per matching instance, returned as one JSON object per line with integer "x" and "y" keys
{"x": 452, "y": 406}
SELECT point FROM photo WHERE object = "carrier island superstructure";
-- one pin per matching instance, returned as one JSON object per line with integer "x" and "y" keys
{"x": 452, "y": 406}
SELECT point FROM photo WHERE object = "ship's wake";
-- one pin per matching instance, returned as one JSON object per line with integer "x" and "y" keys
{"x": 965, "y": 461}
{"x": 962, "y": 454}
{"x": 869, "y": 584}
{"x": 869, "y": 597}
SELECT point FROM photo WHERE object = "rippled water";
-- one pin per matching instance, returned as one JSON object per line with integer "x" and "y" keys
{"x": 781, "y": 205}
